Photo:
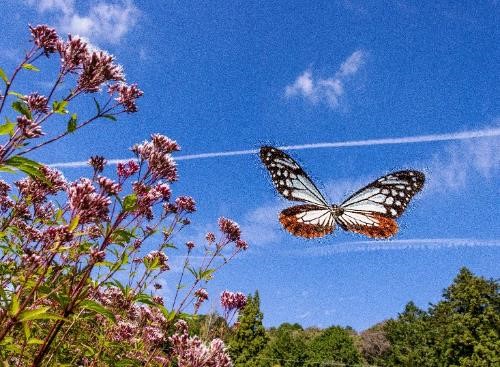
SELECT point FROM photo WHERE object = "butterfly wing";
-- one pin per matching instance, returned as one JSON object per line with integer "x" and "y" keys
{"x": 308, "y": 221}
{"x": 371, "y": 211}
{"x": 289, "y": 178}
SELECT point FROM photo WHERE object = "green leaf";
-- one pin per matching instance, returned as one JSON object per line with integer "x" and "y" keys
{"x": 207, "y": 274}
{"x": 121, "y": 236}
{"x": 72, "y": 123}
{"x": 74, "y": 223}
{"x": 98, "y": 308}
{"x": 35, "y": 341}
{"x": 38, "y": 314}
{"x": 22, "y": 108}
{"x": 14, "y": 307}
{"x": 109, "y": 117}
{"x": 7, "y": 128}
{"x": 3, "y": 76}
{"x": 30, "y": 67}
{"x": 97, "y": 106}
{"x": 144, "y": 298}
{"x": 26, "y": 165}
{"x": 60, "y": 107}
{"x": 129, "y": 202}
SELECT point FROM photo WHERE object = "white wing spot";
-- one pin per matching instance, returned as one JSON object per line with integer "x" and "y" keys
{"x": 402, "y": 194}
{"x": 389, "y": 200}
{"x": 285, "y": 192}
{"x": 394, "y": 192}
{"x": 412, "y": 174}
{"x": 393, "y": 211}
{"x": 282, "y": 182}
{"x": 278, "y": 173}
{"x": 408, "y": 188}
{"x": 385, "y": 191}
{"x": 398, "y": 203}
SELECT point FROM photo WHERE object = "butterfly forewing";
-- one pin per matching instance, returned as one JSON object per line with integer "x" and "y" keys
{"x": 308, "y": 221}
{"x": 289, "y": 178}
{"x": 388, "y": 196}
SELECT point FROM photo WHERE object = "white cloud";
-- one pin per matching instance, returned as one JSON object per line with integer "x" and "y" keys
{"x": 326, "y": 90}
{"x": 103, "y": 22}
{"x": 261, "y": 226}
{"x": 452, "y": 168}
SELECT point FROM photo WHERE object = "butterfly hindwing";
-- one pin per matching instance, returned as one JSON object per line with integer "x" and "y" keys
{"x": 371, "y": 224}
{"x": 308, "y": 220}
{"x": 387, "y": 196}
{"x": 289, "y": 178}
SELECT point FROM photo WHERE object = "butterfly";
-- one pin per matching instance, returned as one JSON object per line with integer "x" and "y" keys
{"x": 370, "y": 211}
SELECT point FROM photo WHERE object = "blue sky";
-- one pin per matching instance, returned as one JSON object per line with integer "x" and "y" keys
{"x": 221, "y": 78}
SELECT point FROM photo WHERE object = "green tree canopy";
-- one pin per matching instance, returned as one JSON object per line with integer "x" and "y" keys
{"x": 249, "y": 338}
{"x": 286, "y": 347}
{"x": 334, "y": 344}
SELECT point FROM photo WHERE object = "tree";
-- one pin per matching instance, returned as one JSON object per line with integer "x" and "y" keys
{"x": 334, "y": 344}
{"x": 286, "y": 347}
{"x": 373, "y": 343}
{"x": 410, "y": 338}
{"x": 461, "y": 330}
{"x": 467, "y": 322}
{"x": 249, "y": 338}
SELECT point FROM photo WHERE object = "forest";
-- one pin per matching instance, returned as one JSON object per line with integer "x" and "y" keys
{"x": 462, "y": 329}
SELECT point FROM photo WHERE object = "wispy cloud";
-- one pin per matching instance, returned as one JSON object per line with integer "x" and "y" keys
{"x": 103, "y": 22}
{"x": 417, "y": 243}
{"x": 465, "y": 135}
{"x": 326, "y": 90}
{"x": 261, "y": 227}
{"x": 452, "y": 168}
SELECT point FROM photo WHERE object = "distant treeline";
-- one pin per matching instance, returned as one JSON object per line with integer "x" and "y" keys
{"x": 462, "y": 329}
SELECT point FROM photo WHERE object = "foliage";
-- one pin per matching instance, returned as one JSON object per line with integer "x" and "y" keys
{"x": 461, "y": 330}
{"x": 249, "y": 337}
{"x": 334, "y": 344}
{"x": 77, "y": 286}
{"x": 286, "y": 347}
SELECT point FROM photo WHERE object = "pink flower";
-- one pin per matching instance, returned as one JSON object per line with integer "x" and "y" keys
{"x": 85, "y": 202}
{"x": 230, "y": 228}
{"x": 127, "y": 169}
{"x": 29, "y": 128}
{"x": 190, "y": 245}
{"x": 210, "y": 237}
{"x": 192, "y": 352}
{"x": 201, "y": 294}
{"x": 37, "y": 102}
{"x": 185, "y": 203}
{"x": 45, "y": 37}
{"x": 73, "y": 53}
{"x": 242, "y": 245}
{"x": 123, "y": 331}
{"x": 127, "y": 95}
{"x": 164, "y": 144}
{"x": 97, "y": 163}
{"x": 98, "y": 68}
{"x": 108, "y": 185}
{"x": 231, "y": 301}
{"x": 164, "y": 190}
{"x": 38, "y": 190}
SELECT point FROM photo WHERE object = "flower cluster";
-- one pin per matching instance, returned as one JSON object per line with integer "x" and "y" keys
{"x": 37, "y": 102}
{"x": 45, "y": 37}
{"x": 192, "y": 352}
{"x": 230, "y": 229}
{"x": 73, "y": 53}
{"x": 233, "y": 301}
{"x": 185, "y": 203}
{"x": 97, "y": 163}
{"x": 86, "y": 203}
{"x": 127, "y": 95}
{"x": 97, "y": 69}
{"x": 29, "y": 128}
{"x": 157, "y": 153}
{"x": 201, "y": 296}
{"x": 37, "y": 189}
{"x": 127, "y": 169}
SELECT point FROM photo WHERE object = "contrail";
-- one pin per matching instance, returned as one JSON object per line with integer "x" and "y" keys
{"x": 353, "y": 143}
{"x": 417, "y": 243}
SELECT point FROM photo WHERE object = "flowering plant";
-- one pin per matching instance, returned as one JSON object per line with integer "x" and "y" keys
{"x": 77, "y": 286}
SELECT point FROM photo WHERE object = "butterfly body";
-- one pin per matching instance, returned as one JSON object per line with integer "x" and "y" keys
{"x": 370, "y": 211}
